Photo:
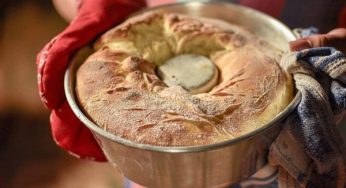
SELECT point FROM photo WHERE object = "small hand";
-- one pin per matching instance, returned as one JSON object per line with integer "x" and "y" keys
{"x": 335, "y": 38}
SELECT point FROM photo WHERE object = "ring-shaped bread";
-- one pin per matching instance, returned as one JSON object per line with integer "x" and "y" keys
{"x": 118, "y": 88}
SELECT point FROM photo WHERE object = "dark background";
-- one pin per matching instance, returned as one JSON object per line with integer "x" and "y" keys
{"x": 28, "y": 156}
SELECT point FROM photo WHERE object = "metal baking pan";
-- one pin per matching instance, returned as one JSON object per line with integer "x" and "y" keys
{"x": 211, "y": 165}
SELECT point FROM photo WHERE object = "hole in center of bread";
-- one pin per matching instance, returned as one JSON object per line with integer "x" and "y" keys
{"x": 194, "y": 73}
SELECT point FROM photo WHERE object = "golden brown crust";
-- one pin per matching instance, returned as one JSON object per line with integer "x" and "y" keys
{"x": 118, "y": 88}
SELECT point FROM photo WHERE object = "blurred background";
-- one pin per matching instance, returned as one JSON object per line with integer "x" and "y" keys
{"x": 28, "y": 156}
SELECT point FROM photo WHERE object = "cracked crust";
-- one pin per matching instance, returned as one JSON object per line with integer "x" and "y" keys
{"x": 118, "y": 88}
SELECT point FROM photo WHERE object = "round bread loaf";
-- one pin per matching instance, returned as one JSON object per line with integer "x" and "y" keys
{"x": 118, "y": 87}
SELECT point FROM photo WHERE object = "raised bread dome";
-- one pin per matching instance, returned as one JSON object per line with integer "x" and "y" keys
{"x": 118, "y": 88}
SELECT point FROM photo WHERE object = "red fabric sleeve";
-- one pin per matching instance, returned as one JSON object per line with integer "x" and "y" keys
{"x": 93, "y": 18}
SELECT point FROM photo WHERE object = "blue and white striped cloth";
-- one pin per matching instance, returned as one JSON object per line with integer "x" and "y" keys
{"x": 309, "y": 152}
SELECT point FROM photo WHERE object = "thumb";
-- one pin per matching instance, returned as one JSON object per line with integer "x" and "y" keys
{"x": 335, "y": 38}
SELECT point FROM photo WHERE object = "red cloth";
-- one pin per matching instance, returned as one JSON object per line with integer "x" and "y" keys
{"x": 93, "y": 18}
